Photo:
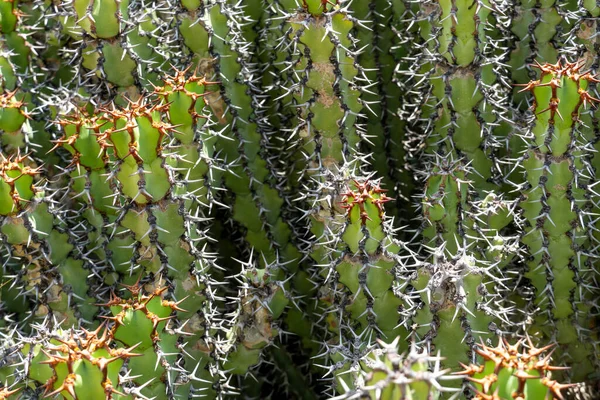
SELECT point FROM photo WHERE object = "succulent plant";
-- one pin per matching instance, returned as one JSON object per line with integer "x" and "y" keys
{"x": 250, "y": 198}
{"x": 555, "y": 208}
{"x": 514, "y": 372}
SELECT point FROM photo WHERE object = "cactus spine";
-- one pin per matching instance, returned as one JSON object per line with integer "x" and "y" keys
{"x": 513, "y": 372}
{"x": 459, "y": 284}
{"x": 386, "y": 375}
{"x": 227, "y": 162}
{"x": 555, "y": 208}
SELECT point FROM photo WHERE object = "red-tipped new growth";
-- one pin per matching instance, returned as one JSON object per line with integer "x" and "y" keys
{"x": 514, "y": 372}
{"x": 364, "y": 192}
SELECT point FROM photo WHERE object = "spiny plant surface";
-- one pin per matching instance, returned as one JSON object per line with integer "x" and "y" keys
{"x": 306, "y": 199}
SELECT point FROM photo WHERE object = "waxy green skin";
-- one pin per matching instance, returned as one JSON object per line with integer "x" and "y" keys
{"x": 554, "y": 203}
{"x": 21, "y": 73}
{"x": 585, "y": 38}
{"x": 461, "y": 295}
{"x": 318, "y": 75}
{"x": 122, "y": 45}
{"x": 138, "y": 333}
{"x": 142, "y": 216}
{"x": 458, "y": 71}
{"x": 321, "y": 96}
{"x": 514, "y": 371}
{"x": 257, "y": 204}
{"x": 251, "y": 181}
{"x": 539, "y": 33}
{"x": 458, "y": 284}
{"x": 276, "y": 144}
{"x": 37, "y": 253}
{"x": 364, "y": 280}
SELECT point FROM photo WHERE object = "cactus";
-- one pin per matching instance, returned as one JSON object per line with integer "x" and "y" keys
{"x": 539, "y": 28}
{"x": 555, "y": 207}
{"x": 283, "y": 186}
{"x": 364, "y": 268}
{"x": 116, "y": 46}
{"x": 386, "y": 374}
{"x": 38, "y": 255}
{"x": 382, "y": 96}
{"x": 514, "y": 371}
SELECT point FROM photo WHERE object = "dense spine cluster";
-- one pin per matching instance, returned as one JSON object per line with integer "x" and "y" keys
{"x": 513, "y": 372}
{"x": 386, "y": 375}
{"x": 367, "y": 278}
{"x": 556, "y": 209}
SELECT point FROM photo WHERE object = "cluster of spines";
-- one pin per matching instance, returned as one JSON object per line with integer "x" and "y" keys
{"x": 459, "y": 64}
{"x": 112, "y": 47}
{"x": 514, "y": 372}
{"x": 555, "y": 204}
{"x": 380, "y": 25}
{"x": 221, "y": 39}
{"x": 364, "y": 269}
{"x": 141, "y": 333}
{"x": 540, "y": 30}
{"x": 386, "y": 374}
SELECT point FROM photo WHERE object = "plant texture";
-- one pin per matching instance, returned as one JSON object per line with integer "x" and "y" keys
{"x": 304, "y": 199}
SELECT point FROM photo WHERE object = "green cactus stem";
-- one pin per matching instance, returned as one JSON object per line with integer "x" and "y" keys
{"x": 555, "y": 207}
{"x": 365, "y": 270}
{"x": 117, "y": 43}
{"x": 37, "y": 251}
{"x": 382, "y": 25}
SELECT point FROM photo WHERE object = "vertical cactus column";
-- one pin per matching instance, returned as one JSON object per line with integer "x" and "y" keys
{"x": 116, "y": 45}
{"x": 215, "y": 33}
{"x": 143, "y": 212}
{"x": 23, "y": 75}
{"x": 365, "y": 279}
{"x": 463, "y": 70}
{"x": 585, "y": 42}
{"x": 459, "y": 284}
{"x": 212, "y": 33}
{"x": 556, "y": 209}
{"x": 317, "y": 95}
{"x": 539, "y": 29}
{"x": 37, "y": 253}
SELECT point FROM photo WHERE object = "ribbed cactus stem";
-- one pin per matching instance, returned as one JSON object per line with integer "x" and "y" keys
{"x": 121, "y": 44}
{"x": 365, "y": 270}
{"x": 555, "y": 206}
{"x": 460, "y": 285}
{"x": 538, "y": 29}
{"x": 140, "y": 187}
{"x": 381, "y": 29}
{"x": 208, "y": 31}
{"x": 462, "y": 65}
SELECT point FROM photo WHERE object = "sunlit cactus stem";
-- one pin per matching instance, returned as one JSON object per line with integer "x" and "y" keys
{"x": 556, "y": 210}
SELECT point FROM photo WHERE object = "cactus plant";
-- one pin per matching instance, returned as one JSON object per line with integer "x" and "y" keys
{"x": 249, "y": 198}
{"x": 554, "y": 204}
{"x": 386, "y": 374}
{"x": 514, "y": 371}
